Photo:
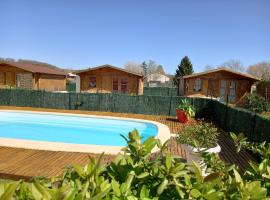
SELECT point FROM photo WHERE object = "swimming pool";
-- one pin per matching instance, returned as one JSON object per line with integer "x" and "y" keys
{"x": 71, "y": 132}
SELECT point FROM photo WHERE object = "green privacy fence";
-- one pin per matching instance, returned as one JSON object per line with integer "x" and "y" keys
{"x": 153, "y": 105}
{"x": 160, "y": 91}
{"x": 256, "y": 127}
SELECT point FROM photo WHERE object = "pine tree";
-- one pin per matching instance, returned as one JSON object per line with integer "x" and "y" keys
{"x": 183, "y": 69}
{"x": 145, "y": 69}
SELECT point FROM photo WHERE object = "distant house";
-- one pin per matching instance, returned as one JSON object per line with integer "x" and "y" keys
{"x": 31, "y": 76}
{"x": 220, "y": 83}
{"x": 110, "y": 79}
{"x": 156, "y": 79}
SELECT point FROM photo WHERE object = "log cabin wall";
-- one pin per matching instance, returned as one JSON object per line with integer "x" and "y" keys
{"x": 109, "y": 80}
{"x": 211, "y": 85}
{"x": 15, "y": 77}
{"x": 50, "y": 82}
{"x": 9, "y": 76}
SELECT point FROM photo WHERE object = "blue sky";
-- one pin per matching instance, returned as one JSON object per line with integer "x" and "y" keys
{"x": 83, "y": 33}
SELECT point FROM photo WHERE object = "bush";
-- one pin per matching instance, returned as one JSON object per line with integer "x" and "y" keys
{"x": 201, "y": 135}
{"x": 136, "y": 175}
{"x": 256, "y": 103}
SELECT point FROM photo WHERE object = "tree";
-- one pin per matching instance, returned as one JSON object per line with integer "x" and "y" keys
{"x": 152, "y": 66}
{"x": 151, "y": 69}
{"x": 234, "y": 65}
{"x": 208, "y": 67}
{"x": 133, "y": 67}
{"x": 183, "y": 69}
{"x": 260, "y": 70}
{"x": 8, "y": 59}
{"x": 145, "y": 68}
{"x": 160, "y": 70}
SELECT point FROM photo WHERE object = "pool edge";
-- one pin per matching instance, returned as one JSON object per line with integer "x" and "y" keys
{"x": 163, "y": 135}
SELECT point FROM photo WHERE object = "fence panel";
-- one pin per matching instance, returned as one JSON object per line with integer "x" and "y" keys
{"x": 237, "y": 121}
{"x": 4, "y": 97}
{"x": 154, "y": 105}
{"x": 160, "y": 91}
{"x": 218, "y": 111}
{"x": 56, "y": 100}
{"x": 262, "y": 129}
{"x": 255, "y": 127}
{"x": 86, "y": 101}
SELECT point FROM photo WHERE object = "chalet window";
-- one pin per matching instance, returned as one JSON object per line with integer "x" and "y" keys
{"x": 232, "y": 91}
{"x": 223, "y": 90}
{"x": 197, "y": 85}
{"x": 93, "y": 82}
{"x": 115, "y": 85}
{"x": 124, "y": 85}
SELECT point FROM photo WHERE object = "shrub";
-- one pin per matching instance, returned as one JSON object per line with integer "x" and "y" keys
{"x": 263, "y": 83}
{"x": 136, "y": 175}
{"x": 256, "y": 171}
{"x": 256, "y": 103}
{"x": 201, "y": 135}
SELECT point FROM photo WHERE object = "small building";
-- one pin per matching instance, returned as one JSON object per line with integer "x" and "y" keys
{"x": 31, "y": 76}
{"x": 224, "y": 84}
{"x": 110, "y": 79}
{"x": 157, "y": 77}
{"x": 156, "y": 80}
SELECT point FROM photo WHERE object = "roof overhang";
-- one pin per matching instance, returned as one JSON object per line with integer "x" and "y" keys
{"x": 221, "y": 70}
{"x": 34, "y": 68}
{"x": 108, "y": 66}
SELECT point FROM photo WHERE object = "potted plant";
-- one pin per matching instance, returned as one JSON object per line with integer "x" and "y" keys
{"x": 197, "y": 138}
{"x": 184, "y": 111}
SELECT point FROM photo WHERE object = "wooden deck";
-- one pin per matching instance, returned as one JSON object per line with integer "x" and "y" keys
{"x": 17, "y": 163}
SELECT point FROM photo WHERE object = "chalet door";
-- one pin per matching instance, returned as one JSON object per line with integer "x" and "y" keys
{"x": 222, "y": 93}
{"x": 2, "y": 78}
{"x": 10, "y": 78}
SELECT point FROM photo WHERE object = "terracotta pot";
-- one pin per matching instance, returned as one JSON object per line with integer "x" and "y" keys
{"x": 181, "y": 116}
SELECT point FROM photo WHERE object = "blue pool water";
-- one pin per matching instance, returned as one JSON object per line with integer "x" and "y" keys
{"x": 70, "y": 129}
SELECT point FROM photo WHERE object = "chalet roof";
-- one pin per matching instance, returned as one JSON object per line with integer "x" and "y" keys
{"x": 34, "y": 68}
{"x": 222, "y": 70}
{"x": 109, "y": 66}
